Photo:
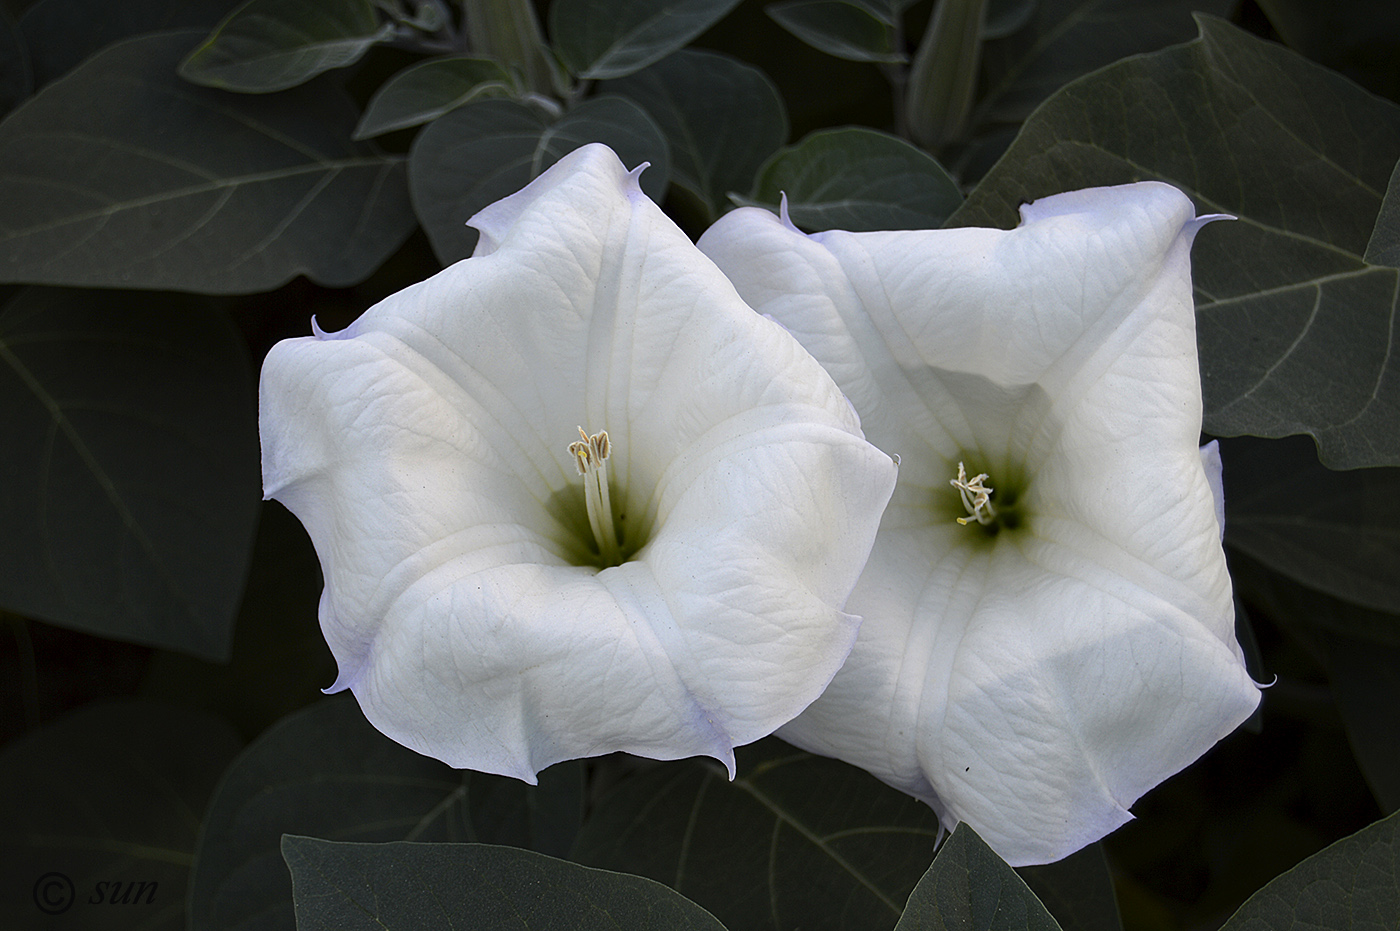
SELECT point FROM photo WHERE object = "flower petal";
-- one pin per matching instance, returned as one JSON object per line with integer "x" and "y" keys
{"x": 425, "y": 449}
{"x": 1038, "y": 686}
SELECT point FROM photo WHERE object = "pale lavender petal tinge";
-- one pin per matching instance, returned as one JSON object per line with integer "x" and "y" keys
{"x": 469, "y": 601}
{"x": 1034, "y": 675}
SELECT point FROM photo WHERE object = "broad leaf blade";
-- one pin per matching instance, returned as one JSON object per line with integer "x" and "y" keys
{"x": 1297, "y": 333}
{"x": 1066, "y": 39}
{"x": 970, "y": 888}
{"x": 1334, "y": 531}
{"x": 271, "y": 45}
{"x": 795, "y": 841}
{"x": 1384, "y": 247}
{"x": 326, "y": 771}
{"x": 109, "y": 794}
{"x": 838, "y": 28}
{"x": 423, "y": 92}
{"x": 62, "y": 33}
{"x": 858, "y": 179}
{"x": 16, "y": 77}
{"x": 130, "y": 466}
{"x": 722, "y": 119}
{"x": 508, "y": 145}
{"x": 1353, "y": 885}
{"x": 421, "y": 887}
{"x": 599, "y": 39}
{"x": 122, "y": 175}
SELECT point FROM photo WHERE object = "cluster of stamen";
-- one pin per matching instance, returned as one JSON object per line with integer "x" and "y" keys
{"x": 590, "y": 458}
{"x": 976, "y": 497}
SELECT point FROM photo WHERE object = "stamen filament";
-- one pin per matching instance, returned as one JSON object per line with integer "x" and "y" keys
{"x": 590, "y": 458}
{"x": 976, "y": 497}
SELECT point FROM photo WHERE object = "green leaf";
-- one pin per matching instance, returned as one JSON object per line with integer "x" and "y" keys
{"x": 610, "y": 38}
{"x": 112, "y": 793}
{"x": 130, "y": 466}
{"x": 425, "y": 91}
{"x": 122, "y": 175}
{"x": 721, "y": 118}
{"x": 795, "y": 841}
{"x": 1297, "y": 334}
{"x": 1005, "y": 17}
{"x": 420, "y": 887}
{"x": 62, "y": 33}
{"x": 1353, "y": 885}
{"x": 1335, "y": 531}
{"x": 271, "y": 45}
{"x": 858, "y": 179}
{"x": 1384, "y": 246}
{"x": 970, "y": 888}
{"x": 1066, "y": 39}
{"x": 509, "y": 144}
{"x": 1078, "y": 890}
{"x": 846, "y": 30}
{"x": 1365, "y": 682}
{"x": 16, "y": 80}
{"x": 325, "y": 770}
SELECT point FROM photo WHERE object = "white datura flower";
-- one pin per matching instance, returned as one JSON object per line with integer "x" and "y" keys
{"x": 571, "y": 495}
{"x": 1049, "y": 628}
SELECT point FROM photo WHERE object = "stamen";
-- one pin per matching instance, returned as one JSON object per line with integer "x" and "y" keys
{"x": 976, "y": 497}
{"x": 590, "y": 458}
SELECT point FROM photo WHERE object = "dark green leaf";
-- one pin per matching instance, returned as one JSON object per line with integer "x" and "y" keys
{"x": 1335, "y": 531}
{"x": 858, "y": 179}
{"x": 425, "y": 91}
{"x": 1297, "y": 334}
{"x": 271, "y": 45}
{"x": 16, "y": 81}
{"x": 1366, "y": 684}
{"x": 421, "y": 887}
{"x": 122, "y": 175}
{"x": 129, "y": 473}
{"x": 610, "y": 38}
{"x": 279, "y": 662}
{"x": 62, "y": 33}
{"x": 722, "y": 119}
{"x": 507, "y": 145}
{"x": 1353, "y": 885}
{"x": 969, "y": 888}
{"x": 1065, "y": 39}
{"x": 795, "y": 841}
{"x": 1078, "y": 890}
{"x": 110, "y": 794}
{"x": 1356, "y": 37}
{"x": 326, "y": 770}
{"x": 1384, "y": 247}
{"x": 1007, "y": 16}
{"x": 846, "y": 30}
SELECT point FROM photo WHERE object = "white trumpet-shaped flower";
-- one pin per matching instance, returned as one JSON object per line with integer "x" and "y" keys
{"x": 502, "y": 594}
{"x": 1048, "y": 618}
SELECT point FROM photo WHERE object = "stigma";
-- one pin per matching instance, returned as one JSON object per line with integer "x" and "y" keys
{"x": 976, "y": 497}
{"x": 590, "y": 458}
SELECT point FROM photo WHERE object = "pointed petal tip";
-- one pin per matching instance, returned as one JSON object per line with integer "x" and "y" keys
{"x": 634, "y": 177}
{"x": 783, "y": 216}
{"x": 1194, "y": 226}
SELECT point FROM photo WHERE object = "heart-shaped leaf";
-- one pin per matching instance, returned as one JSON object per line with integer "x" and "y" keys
{"x": 121, "y": 175}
